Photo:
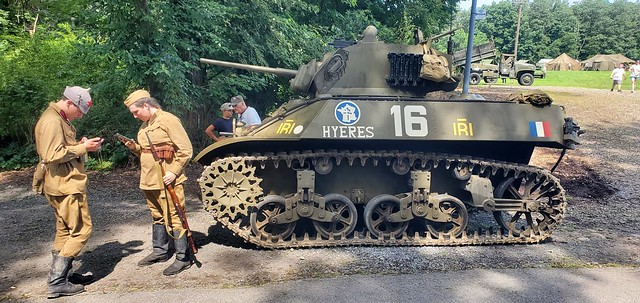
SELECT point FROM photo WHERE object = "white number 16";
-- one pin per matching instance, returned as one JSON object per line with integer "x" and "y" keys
{"x": 415, "y": 120}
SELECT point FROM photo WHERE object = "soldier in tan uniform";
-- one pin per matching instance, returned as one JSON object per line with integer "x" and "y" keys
{"x": 60, "y": 176}
{"x": 173, "y": 146}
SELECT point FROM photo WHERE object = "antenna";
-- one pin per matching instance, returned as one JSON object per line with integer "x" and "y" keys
{"x": 450, "y": 42}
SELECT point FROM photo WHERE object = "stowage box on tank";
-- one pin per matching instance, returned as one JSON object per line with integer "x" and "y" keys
{"x": 368, "y": 158}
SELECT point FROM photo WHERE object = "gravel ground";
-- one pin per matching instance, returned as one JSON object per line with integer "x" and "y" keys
{"x": 602, "y": 227}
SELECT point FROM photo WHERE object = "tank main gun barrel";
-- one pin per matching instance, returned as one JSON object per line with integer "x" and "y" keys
{"x": 449, "y": 32}
{"x": 283, "y": 72}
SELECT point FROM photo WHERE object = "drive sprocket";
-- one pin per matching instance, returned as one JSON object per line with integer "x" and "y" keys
{"x": 230, "y": 187}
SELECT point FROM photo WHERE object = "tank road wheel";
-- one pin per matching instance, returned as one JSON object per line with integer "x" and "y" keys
{"x": 474, "y": 79}
{"x": 229, "y": 186}
{"x": 323, "y": 166}
{"x": 459, "y": 215}
{"x": 526, "y": 79}
{"x": 261, "y": 226}
{"x": 490, "y": 80}
{"x": 543, "y": 193}
{"x": 461, "y": 173}
{"x": 376, "y": 217}
{"x": 345, "y": 212}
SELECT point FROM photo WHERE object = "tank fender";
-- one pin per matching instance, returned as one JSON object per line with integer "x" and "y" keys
{"x": 232, "y": 146}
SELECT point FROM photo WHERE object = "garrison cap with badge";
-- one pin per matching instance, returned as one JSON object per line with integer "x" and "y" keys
{"x": 79, "y": 96}
{"x": 135, "y": 96}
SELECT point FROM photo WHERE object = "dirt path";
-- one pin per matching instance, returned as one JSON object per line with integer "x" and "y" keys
{"x": 602, "y": 227}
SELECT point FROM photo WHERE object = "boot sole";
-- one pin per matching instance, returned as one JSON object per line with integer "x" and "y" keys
{"x": 177, "y": 272}
{"x": 151, "y": 263}
{"x": 57, "y": 295}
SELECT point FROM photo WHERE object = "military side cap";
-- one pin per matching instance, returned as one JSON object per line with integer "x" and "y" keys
{"x": 135, "y": 96}
{"x": 79, "y": 96}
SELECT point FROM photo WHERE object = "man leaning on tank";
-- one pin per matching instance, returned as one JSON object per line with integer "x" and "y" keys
{"x": 247, "y": 115}
{"x": 61, "y": 177}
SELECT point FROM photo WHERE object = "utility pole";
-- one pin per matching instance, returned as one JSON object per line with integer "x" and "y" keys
{"x": 515, "y": 48}
{"x": 467, "y": 66}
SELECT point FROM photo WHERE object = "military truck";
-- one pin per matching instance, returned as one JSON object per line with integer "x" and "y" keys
{"x": 482, "y": 67}
{"x": 521, "y": 70}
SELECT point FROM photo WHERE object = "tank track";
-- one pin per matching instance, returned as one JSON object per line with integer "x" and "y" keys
{"x": 237, "y": 221}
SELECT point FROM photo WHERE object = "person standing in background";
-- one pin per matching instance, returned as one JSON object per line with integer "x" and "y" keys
{"x": 61, "y": 177}
{"x": 617, "y": 75}
{"x": 635, "y": 73}
{"x": 223, "y": 124}
{"x": 246, "y": 114}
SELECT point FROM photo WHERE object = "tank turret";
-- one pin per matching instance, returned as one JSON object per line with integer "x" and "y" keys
{"x": 366, "y": 68}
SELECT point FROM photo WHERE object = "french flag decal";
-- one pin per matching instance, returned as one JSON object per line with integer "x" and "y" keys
{"x": 540, "y": 129}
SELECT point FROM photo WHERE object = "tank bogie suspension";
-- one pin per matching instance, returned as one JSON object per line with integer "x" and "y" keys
{"x": 336, "y": 198}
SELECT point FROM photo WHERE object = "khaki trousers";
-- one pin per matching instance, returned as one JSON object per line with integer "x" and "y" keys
{"x": 73, "y": 223}
{"x": 157, "y": 202}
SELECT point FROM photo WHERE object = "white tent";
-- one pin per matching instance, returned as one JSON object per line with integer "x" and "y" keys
{"x": 542, "y": 63}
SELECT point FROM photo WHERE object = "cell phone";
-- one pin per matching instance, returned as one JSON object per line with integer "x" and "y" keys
{"x": 122, "y": 138}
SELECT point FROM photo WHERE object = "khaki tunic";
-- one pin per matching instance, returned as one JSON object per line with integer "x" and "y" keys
{"x": 56, "y": 144}
{"x": 65, "y": 180}
{"x": 164, "y": 129}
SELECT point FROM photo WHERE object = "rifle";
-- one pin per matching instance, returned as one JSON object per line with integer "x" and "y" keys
{"x": 174, "y": 199}
{"x": 122, "y": 138}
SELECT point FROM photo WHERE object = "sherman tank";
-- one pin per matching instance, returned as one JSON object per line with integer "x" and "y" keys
{"x": 376, "y": 155}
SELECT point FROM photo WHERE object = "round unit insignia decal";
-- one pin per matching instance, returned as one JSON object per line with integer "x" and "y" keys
{"x": 347, "y": 113}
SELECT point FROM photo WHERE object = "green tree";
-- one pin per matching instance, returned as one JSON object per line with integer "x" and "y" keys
{"x": 500, "y": 25}
{"x": 608, "y": 28}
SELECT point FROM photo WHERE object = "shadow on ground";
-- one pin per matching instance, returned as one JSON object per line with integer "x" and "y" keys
{"x": 102, "y": 260}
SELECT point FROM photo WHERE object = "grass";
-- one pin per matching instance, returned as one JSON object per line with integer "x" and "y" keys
{"x": 587, "y": 79}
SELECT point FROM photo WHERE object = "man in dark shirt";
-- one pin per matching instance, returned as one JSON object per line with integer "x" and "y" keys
{"x": 221, "y": 125}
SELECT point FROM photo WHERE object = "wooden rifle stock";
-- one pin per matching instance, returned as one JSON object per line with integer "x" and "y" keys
{"x": 174, "y": 199}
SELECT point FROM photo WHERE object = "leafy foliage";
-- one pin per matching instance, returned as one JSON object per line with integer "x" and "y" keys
{"x": 115, "y": 47}
{"x": 15, "y": 156}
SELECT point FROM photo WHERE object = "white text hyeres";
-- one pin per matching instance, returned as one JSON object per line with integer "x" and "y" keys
{"x": 355, "y": 132}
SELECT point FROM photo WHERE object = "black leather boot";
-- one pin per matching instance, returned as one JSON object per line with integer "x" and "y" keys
{"x": 75, "y": 278}
{"x": 160, "y": 242}
{"x": 183, "y": 255}
{"x": 58, "y": 282}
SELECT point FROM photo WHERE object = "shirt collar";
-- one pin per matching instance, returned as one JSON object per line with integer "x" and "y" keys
{"x": 60, "y": 112}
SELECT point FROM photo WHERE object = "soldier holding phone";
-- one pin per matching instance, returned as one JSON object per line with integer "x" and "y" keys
{"x": 62, "y": 179}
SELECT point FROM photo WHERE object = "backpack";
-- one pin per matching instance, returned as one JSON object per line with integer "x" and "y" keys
{"x": 434, "y": 67}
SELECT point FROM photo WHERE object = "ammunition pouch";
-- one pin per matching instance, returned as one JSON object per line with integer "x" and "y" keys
{"x": 164, "y": 151}
{"x": 434, "y": 67}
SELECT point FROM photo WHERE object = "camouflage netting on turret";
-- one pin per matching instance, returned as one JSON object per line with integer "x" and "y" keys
{"x": 533, "y": 97}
